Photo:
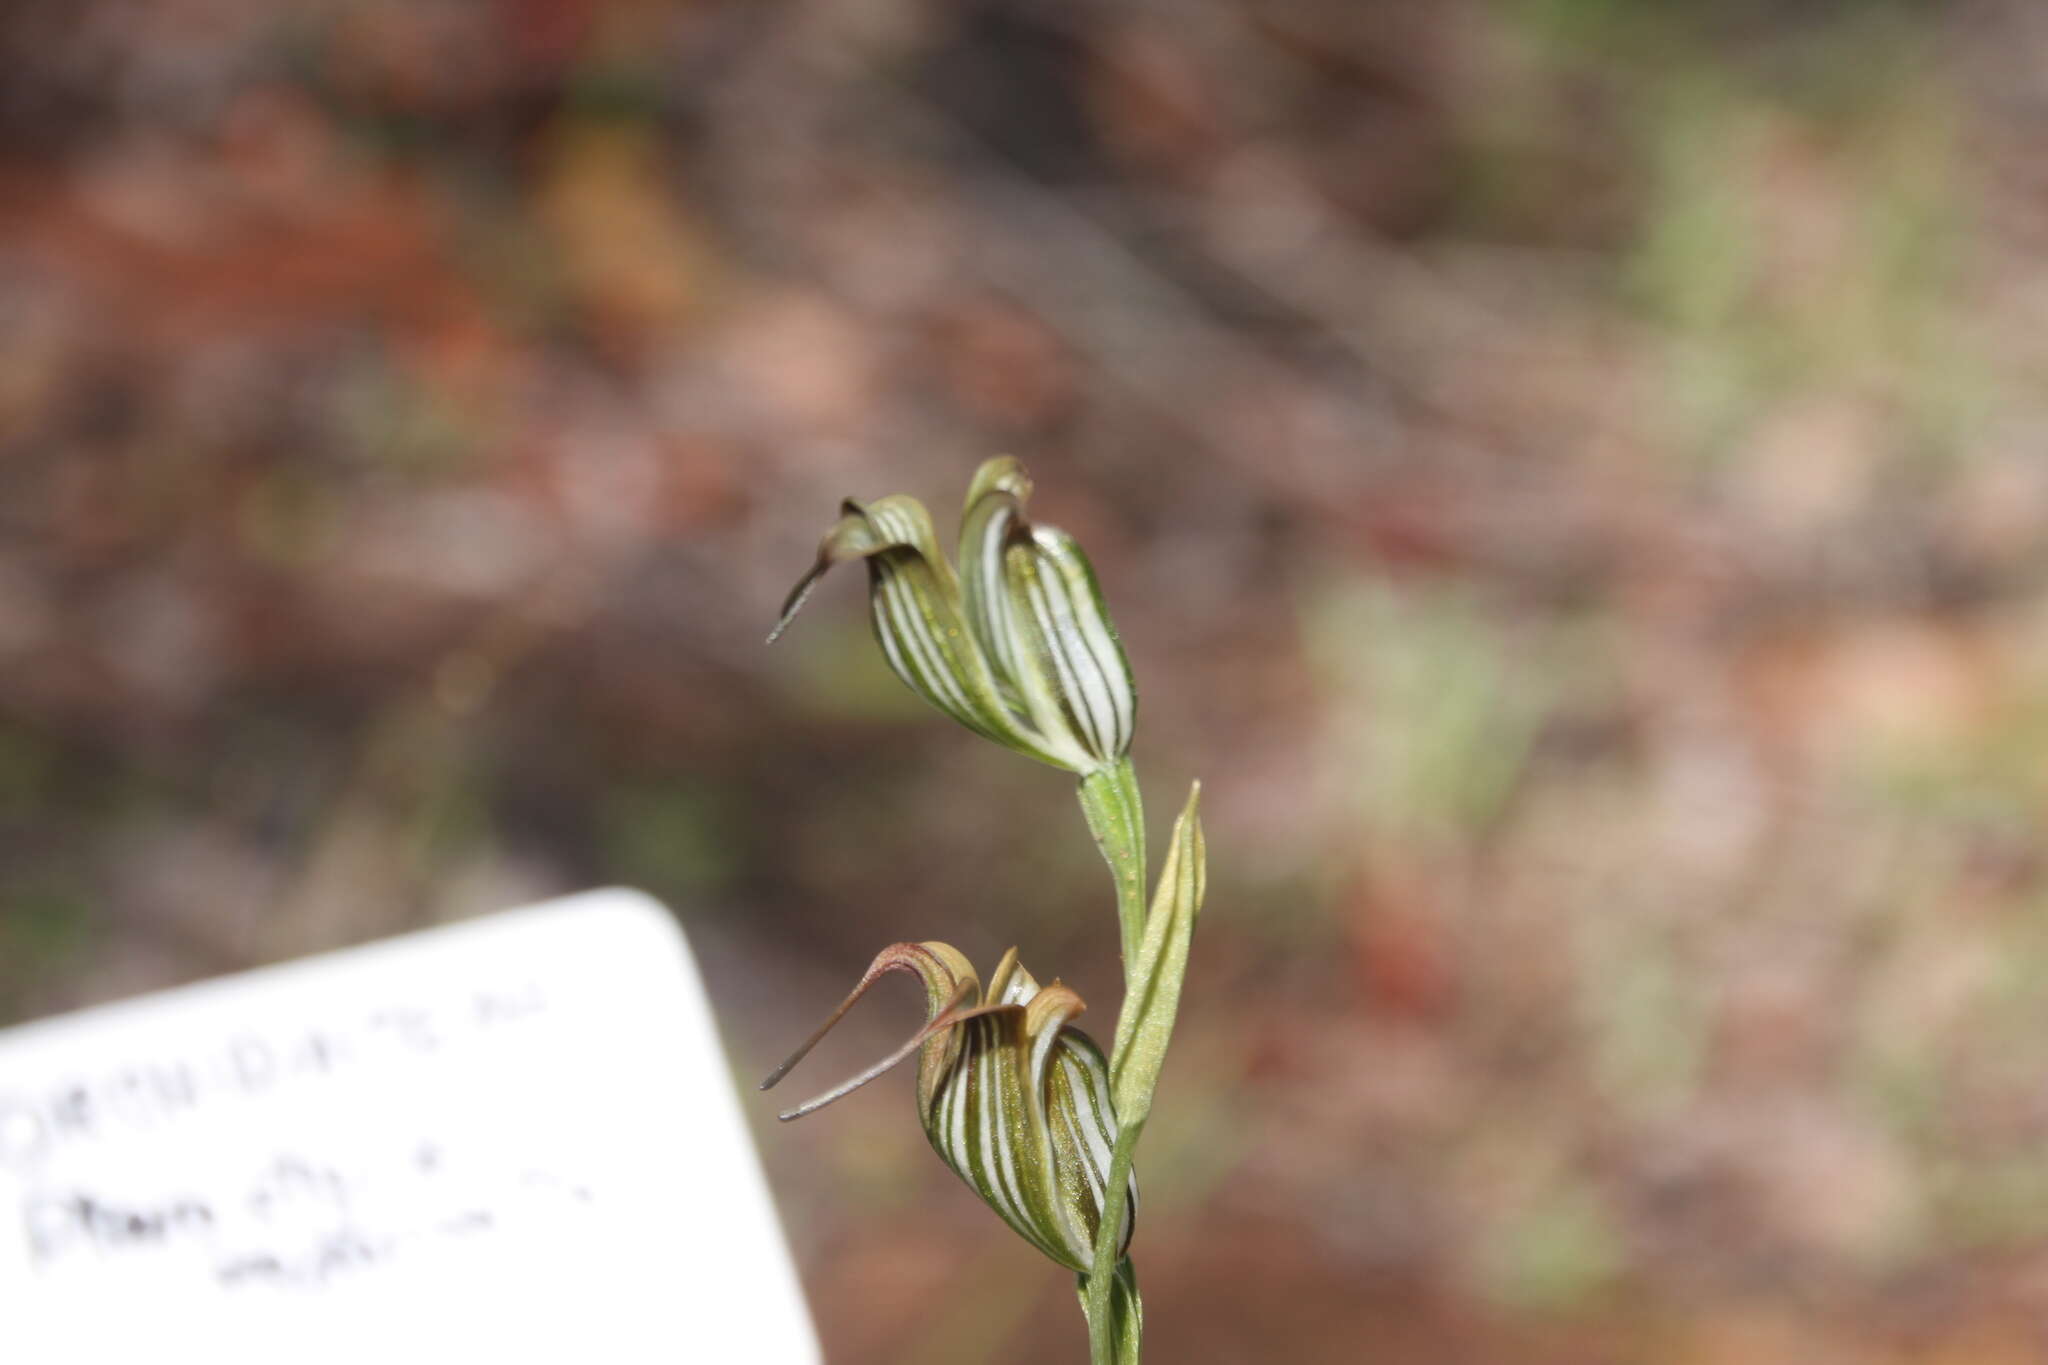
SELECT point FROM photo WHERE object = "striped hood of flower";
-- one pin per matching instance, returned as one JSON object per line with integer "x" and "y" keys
{"x": 1012, "y": 1096}
{"x": 1016, "y": 644}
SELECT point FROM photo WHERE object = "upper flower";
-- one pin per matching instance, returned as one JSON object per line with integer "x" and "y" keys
{"x": 1016, "y": 646}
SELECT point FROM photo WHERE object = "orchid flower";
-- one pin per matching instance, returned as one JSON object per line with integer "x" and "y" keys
{"x": 1017, "y": 645}
{"x": 1012, "y": 1096}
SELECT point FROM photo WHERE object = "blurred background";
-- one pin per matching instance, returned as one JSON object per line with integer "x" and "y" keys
{"x": 1570, "y": 475}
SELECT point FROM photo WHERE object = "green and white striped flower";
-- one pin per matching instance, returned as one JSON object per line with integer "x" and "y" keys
{"x": 1012, "y": 1096}
{"x": 1017, "y": 645}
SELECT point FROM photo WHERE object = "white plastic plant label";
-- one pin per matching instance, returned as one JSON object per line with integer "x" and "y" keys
{"x": 513, "y": 1139}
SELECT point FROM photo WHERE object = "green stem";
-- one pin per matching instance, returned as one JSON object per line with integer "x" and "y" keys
{"x": 1114, "y": 1328}
{"x": 1116, "y": 816}
{"x": 1115, "y": 811}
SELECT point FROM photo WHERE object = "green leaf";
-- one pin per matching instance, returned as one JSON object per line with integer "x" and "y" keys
{"x": 1144, "y": 1025}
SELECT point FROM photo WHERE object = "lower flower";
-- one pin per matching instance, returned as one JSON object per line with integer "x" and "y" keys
{"x": 1012, "y": 1096}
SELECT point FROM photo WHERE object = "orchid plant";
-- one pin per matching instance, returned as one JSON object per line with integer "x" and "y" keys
{"x": 1017, "y": 646}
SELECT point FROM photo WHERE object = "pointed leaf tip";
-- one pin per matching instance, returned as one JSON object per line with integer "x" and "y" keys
{"x": 798, "y": 595}
{"x": 850, "y": 537}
